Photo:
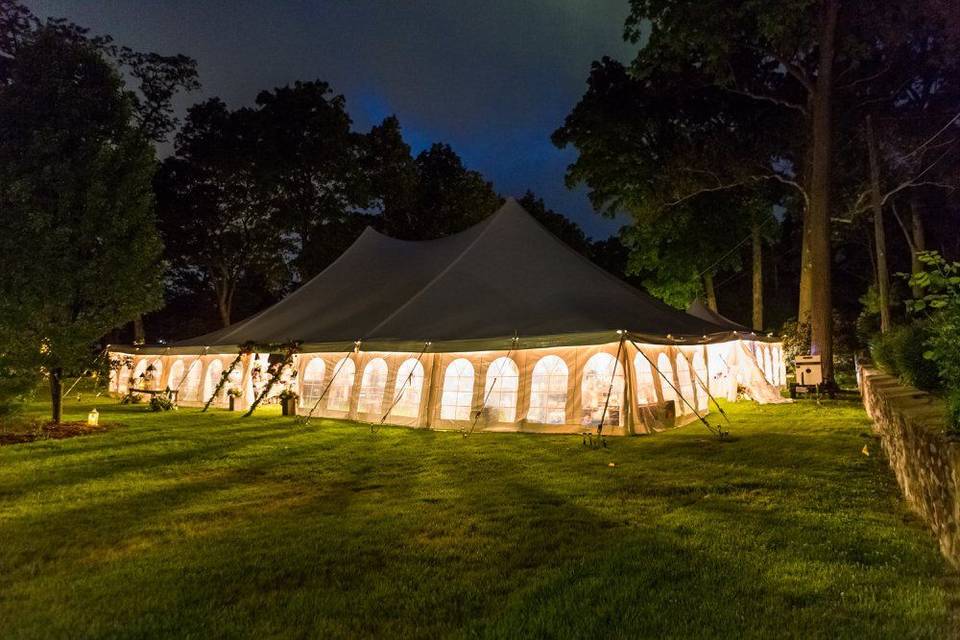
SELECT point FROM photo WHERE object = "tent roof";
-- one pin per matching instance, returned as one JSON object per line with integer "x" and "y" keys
{"x": 702, "y": 311}
{"x": 474, "y": 290}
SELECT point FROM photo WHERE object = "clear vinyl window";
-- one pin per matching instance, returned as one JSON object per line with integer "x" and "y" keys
{"x": 407, "y": 389}
{"x": 548, "y": 391}
{"x": 457, "y": 397}
{"x": 503, "y": 382}
{"x": 342, "y": 384}
{"x": 372, "y": 385}
{"x": 602, "y": 376}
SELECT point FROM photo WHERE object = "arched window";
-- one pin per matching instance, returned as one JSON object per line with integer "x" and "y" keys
{"x": 548, "y": 391}
{"x": 600, "y": 369}
{"x": 372, "y": 385}
{"x": 407, "y": 389}
{"x": 457, "y": 397}
{"x": 503, "y": 381}
{"x": 666, "y": 380}
{"x": 646, "y": 392}
{"x": 139, "y": 373}
{"x": 123, "y": 379}
{"x": 341, "y": 386}
{"x": 311, "y": 386}
{"x": 214, "y": 373}
{"x": 190, "y": 389}
{"x": 176, "y": 375}
{"x": 686, "y": 384}
{"x": 700, "y": 381}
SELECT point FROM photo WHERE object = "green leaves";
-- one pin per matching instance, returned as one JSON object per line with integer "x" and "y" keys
{"x": 79, "y": 250}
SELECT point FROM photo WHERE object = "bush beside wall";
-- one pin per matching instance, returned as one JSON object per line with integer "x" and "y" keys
{"x": 924, "y": 458}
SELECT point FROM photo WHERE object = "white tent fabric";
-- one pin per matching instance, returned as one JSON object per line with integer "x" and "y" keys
{"x": 500, "y": 327}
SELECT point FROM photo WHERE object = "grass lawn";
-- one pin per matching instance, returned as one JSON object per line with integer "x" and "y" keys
{"x": 206, "y": 525}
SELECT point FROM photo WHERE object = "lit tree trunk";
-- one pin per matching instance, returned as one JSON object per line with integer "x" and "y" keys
{"x": 223, "y": 306}
{"x": 224, "y": 288}
{"x": 806, "y": 283}
{"x": 710, "y": 291}
{"x": 56, "y": 396}
{"x": 139, "y": 336}
{"x": 817, "y": 221}
{"x": 757, "y": 278}
{"x": 919, "y": 244}
{"x": 880, "y": 239}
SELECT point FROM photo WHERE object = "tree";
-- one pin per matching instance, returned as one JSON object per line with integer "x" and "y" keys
{"x": 78, "y": 244}
{"x": 392, "y": 177}
{"x": 646, "y": 144}
{"x": 217, "y": 209}
{"x": 802, "y": 58}
{"x": 310, "y": 160}
{"x": 449, "y": 197}
{"x": 152, "y": 80}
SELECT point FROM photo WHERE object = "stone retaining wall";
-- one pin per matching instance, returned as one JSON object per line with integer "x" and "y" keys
{"x": 925, "y": 461}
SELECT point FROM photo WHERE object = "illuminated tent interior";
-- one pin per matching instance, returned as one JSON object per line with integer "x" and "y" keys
{"x": 499, "y": 327}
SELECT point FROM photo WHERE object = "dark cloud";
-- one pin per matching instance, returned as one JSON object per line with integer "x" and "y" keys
{"x": 492, "y": 78}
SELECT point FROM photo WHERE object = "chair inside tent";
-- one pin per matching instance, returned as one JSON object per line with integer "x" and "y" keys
{"x": 501, "y": 327}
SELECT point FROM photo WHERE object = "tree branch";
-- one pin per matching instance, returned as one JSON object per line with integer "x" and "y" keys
{"x": 739, "y": 183}
{"x": 766, "y": 98}
{"x": 799, "y": 74}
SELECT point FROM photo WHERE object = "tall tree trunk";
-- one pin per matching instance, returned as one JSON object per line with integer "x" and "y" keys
{"x": 223, "y": 306}
{"x": 139, "y": 336}
{"x": 817, "y": 221}
{"x": 56, "y": 396}
{"x": 919, "y": 243}
{"x": 710, "y": 291}
{"x": 806, "y": 282}
{"x": 757, "y": 278}
{"x": 880, "y": 238}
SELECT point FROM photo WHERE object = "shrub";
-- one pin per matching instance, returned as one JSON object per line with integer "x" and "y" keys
{"x": 160, "y": 403}
{"x": 940, "y": 305}
{"x": 909, "y": 343}
{"x": 796, "y": 342}
{"x": 953, "y": 410}
{"x": 900, "y": 352}
{"x": 881, "y": 350}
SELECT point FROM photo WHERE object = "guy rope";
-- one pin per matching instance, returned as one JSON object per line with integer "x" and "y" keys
{"x": 713, "y": 430}
{"x": 189, "y": 369}
{"x": 376, "y": 427}
{"x": 703, "y": 386}
{"x": 305, "y": 421}
{"x": 613, "y": 377}
{"x": 493, "y": 385}
{"x": 93, "y": 367}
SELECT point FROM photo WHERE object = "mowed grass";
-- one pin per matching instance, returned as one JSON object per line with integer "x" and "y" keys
{"x": 208, "y": 525}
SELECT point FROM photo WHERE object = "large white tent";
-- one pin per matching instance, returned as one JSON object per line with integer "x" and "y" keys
{"x": 499, "y": 327}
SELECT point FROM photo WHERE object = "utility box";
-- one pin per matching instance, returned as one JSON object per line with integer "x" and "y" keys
{"x": 809, "y": 370}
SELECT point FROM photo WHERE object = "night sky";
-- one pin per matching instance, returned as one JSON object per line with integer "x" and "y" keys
{"x": 493, "y": 78}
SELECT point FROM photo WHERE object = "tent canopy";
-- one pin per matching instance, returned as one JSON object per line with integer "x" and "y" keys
{"x": 506, "y": 276}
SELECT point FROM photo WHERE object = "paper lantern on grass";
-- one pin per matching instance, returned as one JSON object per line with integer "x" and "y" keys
{"x": 93, "y": 418}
